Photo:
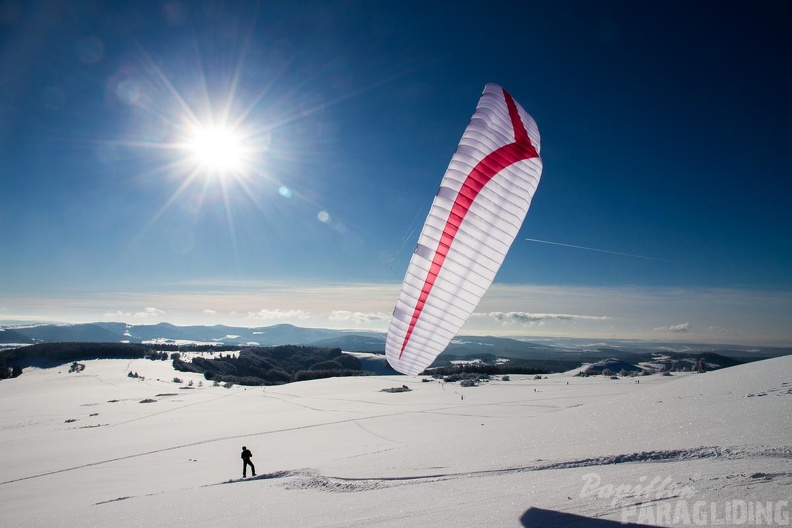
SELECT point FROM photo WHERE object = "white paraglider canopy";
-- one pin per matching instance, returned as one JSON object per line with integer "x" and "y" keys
{"x": 482, "y": 202}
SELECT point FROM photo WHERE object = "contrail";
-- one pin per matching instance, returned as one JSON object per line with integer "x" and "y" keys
{"x": 596, "y": 249}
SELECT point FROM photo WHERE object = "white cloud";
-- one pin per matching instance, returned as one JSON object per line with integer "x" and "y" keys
{"x": 148, "y": 312}
{"x": 680, "y": 328}
{"x": 117, "y": 314}
{"x": 210, "y": 312}
{"x": 143, "y": 314}
{"x": 719, "y": 330}
{"x": 532, "y": 318}
{"x": 278, "y": 315}
{"x": 358, "y": 317}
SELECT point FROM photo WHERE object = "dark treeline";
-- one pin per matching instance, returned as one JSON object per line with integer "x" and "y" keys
{"x": 9, "y": 372}
{"x": 481, "y": 368}
{"x": 13, "y": 361}
{"x": 67, "y": 351}
{"x": 254, "y": 366}
{"x": 72, "y": 351}
{"x": 274, "y": 365}
{"x": 492, "y": 364}
{"x": 195, "y": 347}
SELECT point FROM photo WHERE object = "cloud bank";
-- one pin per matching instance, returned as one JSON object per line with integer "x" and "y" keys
{"x": 529, "y": 317}
{"x": 681, "y": 328}
{"x": 146, "y": 313}
{"x": 707, "y": 315}
{"x": 278, "y": 315}
{"x": 358, "y": 317}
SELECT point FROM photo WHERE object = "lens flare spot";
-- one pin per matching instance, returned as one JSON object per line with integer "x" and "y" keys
{"x": 90, "y": 50}
{"x": 128, "y": 91}
{"x": 182, "y": 241}
{"x": 323, "y": 217}
{"x": 285, "y": 192}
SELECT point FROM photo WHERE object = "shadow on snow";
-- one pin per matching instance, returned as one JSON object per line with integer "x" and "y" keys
{"x": 539, "y": 518}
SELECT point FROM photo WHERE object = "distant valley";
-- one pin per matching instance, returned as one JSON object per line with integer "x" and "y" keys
{"x": 549, "y": 354}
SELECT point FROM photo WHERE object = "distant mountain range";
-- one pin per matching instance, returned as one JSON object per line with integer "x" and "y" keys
{"x": 165, "y": 333}
{"x": 567, "y": 350}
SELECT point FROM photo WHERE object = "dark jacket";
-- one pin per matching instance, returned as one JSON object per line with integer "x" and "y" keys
{"x": 246, "y": 454}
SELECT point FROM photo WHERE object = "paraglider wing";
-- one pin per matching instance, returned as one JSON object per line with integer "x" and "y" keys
{"x": 483, "y": 199}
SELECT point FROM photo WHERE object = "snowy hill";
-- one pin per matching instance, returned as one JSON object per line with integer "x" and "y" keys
{"x": 98, "y": 448}
{"x": 613, "y": 366}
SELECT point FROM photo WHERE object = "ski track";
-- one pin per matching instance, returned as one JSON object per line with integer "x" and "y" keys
{"x": 177, "y": 408}
{"x": 200, "y": 442}
{"x": 311, "y": 479}
{"x": 377, "y": 435}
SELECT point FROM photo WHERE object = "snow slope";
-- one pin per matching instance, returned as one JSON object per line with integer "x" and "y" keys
{"x": 81, "y": 449}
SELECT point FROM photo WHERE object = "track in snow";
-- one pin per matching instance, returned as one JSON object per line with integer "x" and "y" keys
{"x": 311, "y": 479}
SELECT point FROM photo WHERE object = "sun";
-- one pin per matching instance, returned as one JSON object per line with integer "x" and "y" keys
{"x": 218, "y": 150}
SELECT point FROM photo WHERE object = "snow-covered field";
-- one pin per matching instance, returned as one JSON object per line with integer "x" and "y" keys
{"x": 80, "y": 449}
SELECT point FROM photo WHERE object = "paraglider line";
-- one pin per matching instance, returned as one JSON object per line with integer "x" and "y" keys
{"x": 595, "y": 249}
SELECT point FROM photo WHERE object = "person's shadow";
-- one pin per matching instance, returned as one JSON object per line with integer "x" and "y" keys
{"x": 539, "y": 518}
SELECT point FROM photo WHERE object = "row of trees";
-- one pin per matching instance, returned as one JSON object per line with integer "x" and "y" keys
{"x": 274, "y": 365}
{"x": 482, "y": 368}
{"x": 10, "y": 372}
{"x": 14, "y": 360}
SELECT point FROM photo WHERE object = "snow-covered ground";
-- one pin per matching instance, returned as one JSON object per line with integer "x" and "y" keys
{"x": 81, "y": 449}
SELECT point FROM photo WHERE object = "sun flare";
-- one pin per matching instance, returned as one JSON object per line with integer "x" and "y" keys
{"x": 217, "y": 149}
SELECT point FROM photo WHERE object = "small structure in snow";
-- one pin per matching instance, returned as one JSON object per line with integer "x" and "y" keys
{"x": 403, "y": 388}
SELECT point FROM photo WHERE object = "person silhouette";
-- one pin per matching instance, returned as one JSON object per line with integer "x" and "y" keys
{"x": 246, "y": 456}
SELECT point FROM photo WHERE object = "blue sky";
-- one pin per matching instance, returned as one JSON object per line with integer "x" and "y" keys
{"x": 665, "y": 134}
